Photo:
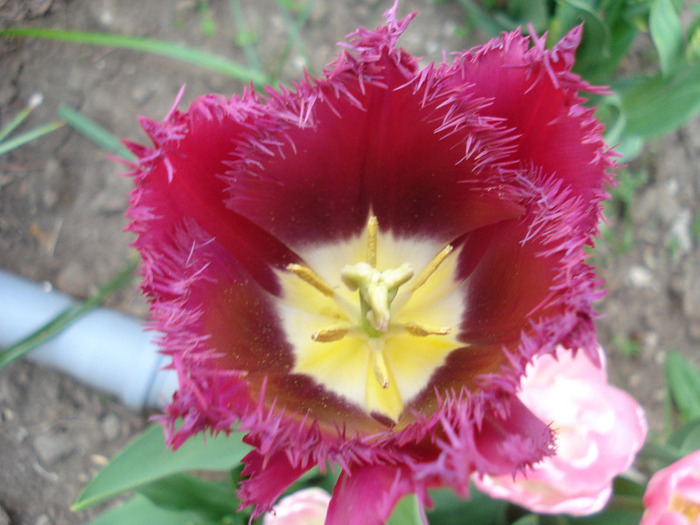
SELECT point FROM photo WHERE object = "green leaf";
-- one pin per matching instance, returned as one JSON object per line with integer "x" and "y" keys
{"x": 686, "y": 439}
{"x": 184, "y": 492}
{"x": 660, "y": 454}
{"x": 594, "y": 50}
{"x": 683, "y": 380}
{"x": 93, "y": 131}
{"x": 611, "y": 517}
{"x": 406, "y": 512}
{"x": 654, "y": 106}
{"x": 481, "y": 509}
{"x": 476, "y": 17}
{"x": 666, "y": 33}
{"x": 524, "y": 12}
{"x": 146, "y": 459}
{"x": 530, "y": 519}
{"x": 140, "y": 511}
{"x": 157, "y": 47}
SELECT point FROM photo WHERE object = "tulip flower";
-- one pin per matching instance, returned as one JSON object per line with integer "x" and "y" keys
{"x": 305, "y": 507}
{"x": 673, "y": 494}
{"x": 355, "y": 271}
{"x": 599, "y": 427}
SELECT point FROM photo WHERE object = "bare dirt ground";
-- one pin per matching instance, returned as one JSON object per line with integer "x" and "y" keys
{"x": 61, "y": 207}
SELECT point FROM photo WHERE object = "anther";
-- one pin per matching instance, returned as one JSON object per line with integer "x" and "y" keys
{"x": 689, "y": 509}
{"x": 372, "y": 230}
{"x": 380, "y": 371}
{"x": 330, "y": 334}
{"x": 419, "y": 330}
{"x": 431, "y": 268}
{"x": 309, "y": 276}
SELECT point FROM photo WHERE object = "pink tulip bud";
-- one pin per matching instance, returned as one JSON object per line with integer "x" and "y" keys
{"x": 673, "y": 494}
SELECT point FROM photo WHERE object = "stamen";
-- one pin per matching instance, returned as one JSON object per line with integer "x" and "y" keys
{"x": 330, "y": 334}
{"x": 380, "y": 371}
{"x": 309, "y": 276}
{"x": 372, "y": 230}
{"x": 689, "y": 509}
{"x": 431, "y": 268}
{"x": 419, "y": 330}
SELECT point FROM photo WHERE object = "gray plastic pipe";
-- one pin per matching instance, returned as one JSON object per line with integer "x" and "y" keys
{"x": 106, "y": 349}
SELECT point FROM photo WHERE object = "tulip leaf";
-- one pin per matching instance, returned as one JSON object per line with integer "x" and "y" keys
{"x": 683, "y": 381}
{"x": 653, "y": 106}
{"x": 666, "y": 33}
{"x": 406, "y": 512}
{"x": 529, "y": 519}
{"x": 691, "y": 443}
{"x": 594, "y": 48}
{"x": 686, "y": 439}
{"x": 138, "y": 510}
{"x": 147, "y": 459}
{"x": 481, "y": 509}
{"x": 209, "y": 500}
{"x": 610, "y": 516}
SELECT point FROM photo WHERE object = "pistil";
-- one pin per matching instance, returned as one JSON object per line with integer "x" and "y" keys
{"x": 377, "y": 291}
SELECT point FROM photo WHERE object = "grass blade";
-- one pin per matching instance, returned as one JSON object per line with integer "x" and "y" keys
{"x": 149, "y": 45}
{"x": 294, "y": 29}
{"x": 33, "y": 102}
{"x": 244, "y": 37}
{"x": 28, "y": 136}
{"x": 93, "y": 131}
{"x": 68, "y": 316}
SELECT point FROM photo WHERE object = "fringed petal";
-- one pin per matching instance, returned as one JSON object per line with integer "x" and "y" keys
{"x": 269, "y": 478}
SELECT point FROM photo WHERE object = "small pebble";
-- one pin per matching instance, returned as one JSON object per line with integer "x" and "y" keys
{"x": 53, "y": 446}
{"x": 111, "y": 426}
{"x": 43, "y": 520}
{"x": 4, "y": 518}
{"x": 640, "y": 277}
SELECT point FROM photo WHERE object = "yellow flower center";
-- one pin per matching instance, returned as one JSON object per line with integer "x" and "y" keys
{"x": 364, "y": 325}
{"x": 689, "y": 509}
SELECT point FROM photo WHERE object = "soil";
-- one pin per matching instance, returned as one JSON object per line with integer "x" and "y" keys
{"x": 62, "y": 205}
